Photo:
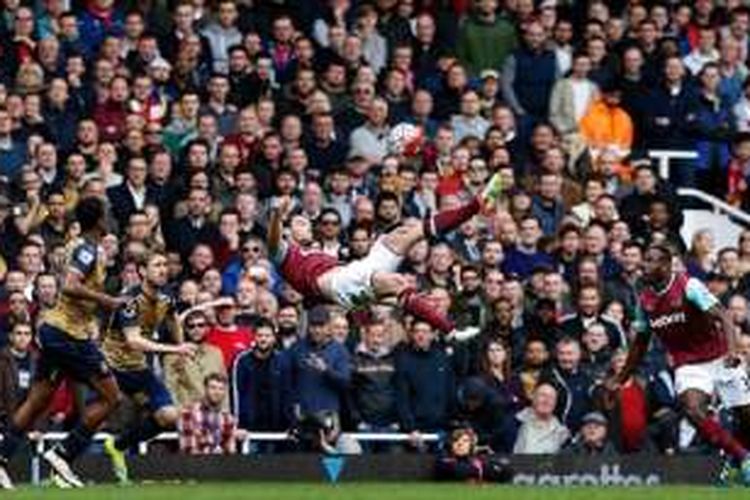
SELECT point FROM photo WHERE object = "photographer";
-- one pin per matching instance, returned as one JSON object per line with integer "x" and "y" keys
{"x": 463, "y": 462}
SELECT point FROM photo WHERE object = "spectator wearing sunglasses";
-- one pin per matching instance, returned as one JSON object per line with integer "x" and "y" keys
{"x": 184, "y": 376}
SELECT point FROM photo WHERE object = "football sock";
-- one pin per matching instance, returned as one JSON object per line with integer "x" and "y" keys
{"x": 422, "y": 308}
{"x": 147, "y": 429}
{"x": 448, "y": 220}
{"x": 76, "y": 443}
{"x": 12, "y": 439}
{"x": 710, "y": 430}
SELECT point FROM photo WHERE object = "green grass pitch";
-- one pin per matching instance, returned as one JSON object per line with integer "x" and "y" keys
{"x": 371, "y": 491}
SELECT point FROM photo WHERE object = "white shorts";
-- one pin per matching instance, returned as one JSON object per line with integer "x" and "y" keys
{"x": 354, "y": 280}
{"x": 731, "y": 385}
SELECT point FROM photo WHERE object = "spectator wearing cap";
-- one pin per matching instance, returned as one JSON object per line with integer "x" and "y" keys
{"x": 320, "y": 369}
{"x": 469, "y": 123}
{"x": 184, "y": 376}
{"x": 227, "y": 335}
{"x": 541, "y": 431}
{"x": 485, "y": 38}
{"x": 592, "y": 439}
{"x": 260, "y": 390}
{"x": 529, "y": 74}
{"x": 425, "y": 383}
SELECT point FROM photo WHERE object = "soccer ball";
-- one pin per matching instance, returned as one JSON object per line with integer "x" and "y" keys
{"x": 405, "y": 139}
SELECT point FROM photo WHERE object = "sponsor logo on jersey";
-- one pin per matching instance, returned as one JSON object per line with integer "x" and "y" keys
{"x": 666, "y": 320}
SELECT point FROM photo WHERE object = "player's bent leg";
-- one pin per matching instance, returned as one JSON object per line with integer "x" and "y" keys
{"x": 403, "y": 237}
{"x": 742, "y": 424}
{"x": 695, "y": 403}
{"x": 395, "y": 284}
{"x": 60, "y": 457}
{"x": 167, "y": 417}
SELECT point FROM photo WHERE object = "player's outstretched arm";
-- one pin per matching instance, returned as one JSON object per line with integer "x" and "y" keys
{"x": 719, "y": 314}
{"x": 276, "y": 224}
{"x": 138, "y": 342}
{"x": 635, "y": 355}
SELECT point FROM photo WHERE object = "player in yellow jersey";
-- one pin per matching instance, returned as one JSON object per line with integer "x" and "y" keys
{"x": 67, "y": 349}
{"x": 126, "y": 341}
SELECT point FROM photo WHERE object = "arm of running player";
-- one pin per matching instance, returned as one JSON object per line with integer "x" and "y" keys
{"x": 719, "y": 314}
{"x": 138, "y": 342}
{"x": 174, "y": 326}
{"x": 699, "y": 295}
{"x": 276, "y": 225}
{"x": 636, "y": 352}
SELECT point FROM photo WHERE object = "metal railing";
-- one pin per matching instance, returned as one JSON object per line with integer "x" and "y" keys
{"x": 664, "y": 157}
{"x": 717, "y": 204}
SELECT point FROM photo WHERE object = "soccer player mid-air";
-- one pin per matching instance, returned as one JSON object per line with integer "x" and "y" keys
{"x": 699, "y": 337}
{"x": 321, "y": 278}
{"x": 66, "y": 349}
{"x": 126, "y": 340}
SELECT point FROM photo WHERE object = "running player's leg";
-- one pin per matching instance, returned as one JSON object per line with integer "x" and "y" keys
{"x": 23, "y": 418}
{"x": 695, "y": 405}
{"x": 163, "y": 414}
{"x": 742, "y": 424}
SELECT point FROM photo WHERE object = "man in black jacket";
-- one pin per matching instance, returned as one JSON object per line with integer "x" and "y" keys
{"x": 373, "y": 388}
{"x": 425, "y": 384}
{"x": 260, "y": 384}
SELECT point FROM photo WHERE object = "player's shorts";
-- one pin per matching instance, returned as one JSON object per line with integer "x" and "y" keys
{"x": 731, "y": 385}
{"x": 354, "y": 280}
{"x": 145, "y": 388}
{"x": 61, "y": 355}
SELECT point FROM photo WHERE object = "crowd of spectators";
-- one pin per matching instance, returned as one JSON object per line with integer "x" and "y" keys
{"x": 190, "y": 118}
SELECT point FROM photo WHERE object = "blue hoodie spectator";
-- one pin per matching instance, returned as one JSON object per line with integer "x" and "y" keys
{"x": 320, "y": 368}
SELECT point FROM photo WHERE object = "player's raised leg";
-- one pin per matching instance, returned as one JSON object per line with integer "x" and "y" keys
{"x": 397, "y": 285}
{"x": 163, "y": 417}
{"x": 60, "y": 457}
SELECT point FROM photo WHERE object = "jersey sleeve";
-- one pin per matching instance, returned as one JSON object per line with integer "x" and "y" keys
{"x": 699, "y": 295}
{"x": 640, "y": 321}
{"x": 83, "y": 259}
{"x": 127, "y": 315}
